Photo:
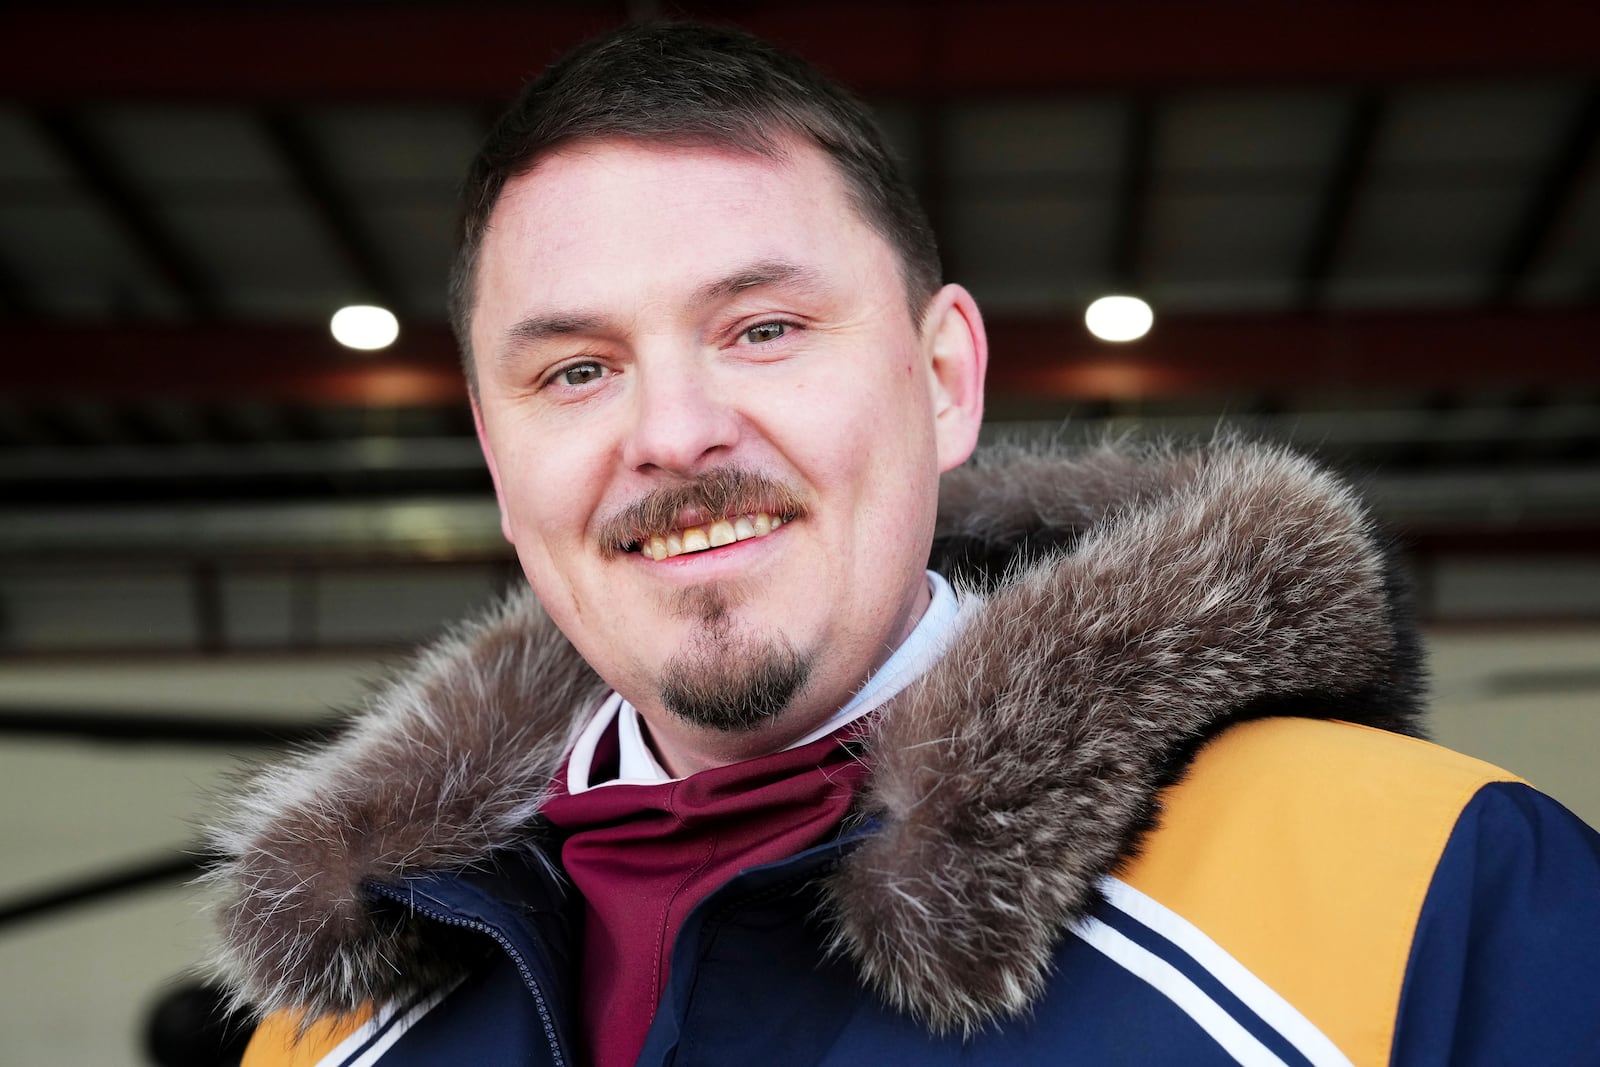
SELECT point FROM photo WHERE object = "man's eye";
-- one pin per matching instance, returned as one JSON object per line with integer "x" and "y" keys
{"x": 766, "y": 331}
{"x": 580, "y": 374}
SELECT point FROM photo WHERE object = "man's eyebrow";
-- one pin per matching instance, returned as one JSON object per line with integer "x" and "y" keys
{"x": 540, "y": 327}
{"x": 758, "y": 276}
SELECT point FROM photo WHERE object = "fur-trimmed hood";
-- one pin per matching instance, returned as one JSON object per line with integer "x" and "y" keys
{"x": 1134, "y": 602}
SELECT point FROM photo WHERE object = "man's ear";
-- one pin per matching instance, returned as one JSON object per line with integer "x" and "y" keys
{"x": 958, "y": 351}
{"x": 494, "y": 471}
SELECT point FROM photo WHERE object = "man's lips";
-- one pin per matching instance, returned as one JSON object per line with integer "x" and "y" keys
{"x": 701, "y": 538}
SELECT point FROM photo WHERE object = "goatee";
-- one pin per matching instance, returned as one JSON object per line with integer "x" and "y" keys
{"x": 730, "y": 681}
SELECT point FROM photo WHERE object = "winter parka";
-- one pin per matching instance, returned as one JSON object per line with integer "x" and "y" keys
{"x": 1155, "y": 805}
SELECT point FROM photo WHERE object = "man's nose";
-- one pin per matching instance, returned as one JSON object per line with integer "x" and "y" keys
{"x": 681, "y": 420}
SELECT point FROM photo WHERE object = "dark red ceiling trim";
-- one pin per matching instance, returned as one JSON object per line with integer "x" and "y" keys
{"x": 1232, "y": 354}
{"x": 892, "y": 47}
{"x": 1036, "y": 358}
{"x": 282, "y": 363}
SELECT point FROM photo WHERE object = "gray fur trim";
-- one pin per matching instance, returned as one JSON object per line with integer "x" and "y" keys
{"x": 1026, "y": 763}
{"x": 1147, "y": 598}
{"x": 450, "y": 762}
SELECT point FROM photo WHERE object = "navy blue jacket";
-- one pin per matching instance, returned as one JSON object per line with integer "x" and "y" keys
{"x": 1501, "y": 950}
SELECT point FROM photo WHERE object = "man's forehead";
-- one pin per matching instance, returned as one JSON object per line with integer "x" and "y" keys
{"x": 624, "y": 154}
{"x": 632, "y": 198}
{"x": 735, "y": 143}
{"x": 631, "y": 193}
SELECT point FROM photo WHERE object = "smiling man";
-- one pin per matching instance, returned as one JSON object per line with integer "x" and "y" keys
{"x": 739, "y": 781}
{"x": 707, "y": 407}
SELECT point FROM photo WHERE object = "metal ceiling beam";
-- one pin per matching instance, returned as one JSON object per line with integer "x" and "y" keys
{"x": 129, "y": 209}
{"x": 15, "y": 296}
{"x": 475, "y": 52}
{"x": 333, "y": 207}
{"x": 1341, "y": 197}
{"x": 1128, "y": 246}
{"x": 1039, "y": 357}
{"x": 1551, "y": 201}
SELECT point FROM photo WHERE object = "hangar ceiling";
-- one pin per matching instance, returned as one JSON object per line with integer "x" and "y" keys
{"x": 1371, "y": 229}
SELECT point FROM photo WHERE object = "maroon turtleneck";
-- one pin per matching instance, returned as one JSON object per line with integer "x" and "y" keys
{"x": 644, "y": 855}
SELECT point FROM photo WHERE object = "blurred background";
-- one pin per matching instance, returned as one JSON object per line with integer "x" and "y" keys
{"x": 1371, "y": 230}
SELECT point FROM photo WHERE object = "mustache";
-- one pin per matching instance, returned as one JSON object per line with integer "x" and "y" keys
{"x": 720, "y": 493}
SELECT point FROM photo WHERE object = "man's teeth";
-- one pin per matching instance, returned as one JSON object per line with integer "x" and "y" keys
{"x": 715, "y": 535}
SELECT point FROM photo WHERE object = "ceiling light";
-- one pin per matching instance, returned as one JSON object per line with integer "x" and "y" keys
{"x": 365, "y": 327}
{"x": 1119, "y": 318}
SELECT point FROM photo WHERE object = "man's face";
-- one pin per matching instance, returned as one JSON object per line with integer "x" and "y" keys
{"x": 676, "y": 346}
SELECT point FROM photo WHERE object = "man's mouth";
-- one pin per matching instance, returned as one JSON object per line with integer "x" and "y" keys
{"x": 703, "y": 538}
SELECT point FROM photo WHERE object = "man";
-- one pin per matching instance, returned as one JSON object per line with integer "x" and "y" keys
{"x": 742, "y": 783}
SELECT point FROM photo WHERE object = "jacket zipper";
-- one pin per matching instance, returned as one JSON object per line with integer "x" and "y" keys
{"x": 504, "y": 942}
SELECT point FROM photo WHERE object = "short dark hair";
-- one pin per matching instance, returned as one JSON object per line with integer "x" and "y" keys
{"x": 685, "y": 83}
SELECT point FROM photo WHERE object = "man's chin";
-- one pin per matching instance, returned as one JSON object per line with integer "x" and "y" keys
{"x": 734, "y": 685}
